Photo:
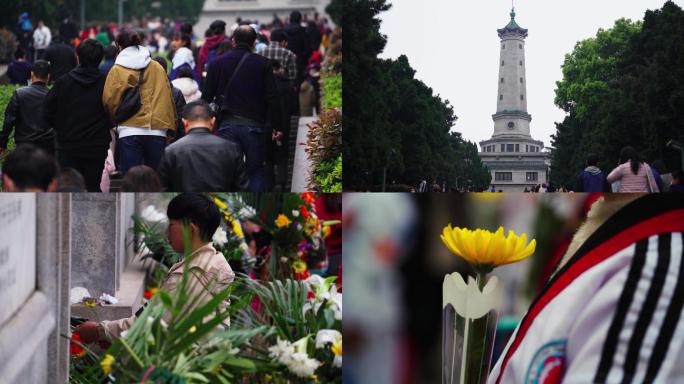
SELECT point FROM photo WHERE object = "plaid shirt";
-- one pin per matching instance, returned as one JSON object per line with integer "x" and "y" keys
{"x": 286, "y": 58}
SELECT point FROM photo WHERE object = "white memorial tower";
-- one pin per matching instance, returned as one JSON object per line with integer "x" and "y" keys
{"x": 515, "y": 159}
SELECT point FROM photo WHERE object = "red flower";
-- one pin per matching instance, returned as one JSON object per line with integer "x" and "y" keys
{"x": 305, "y": 212}
{"x": 311, "y": 296}
{"x": 302, "y": 276}
{"x": 308, "y": 197}
{"x": 75, "y": 349}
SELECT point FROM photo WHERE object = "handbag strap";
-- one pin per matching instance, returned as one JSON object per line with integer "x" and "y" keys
{"x": 140, "y": 77}
{"x": 244, "y": 58}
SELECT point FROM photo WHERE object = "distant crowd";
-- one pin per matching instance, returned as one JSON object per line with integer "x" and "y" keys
{"x": 154, "y": 107}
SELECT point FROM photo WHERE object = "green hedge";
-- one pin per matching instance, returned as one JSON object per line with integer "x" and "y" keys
{"x": 328, "y": 175}
{"x": 5, "y": 96}
{"x": 332, "y": 91}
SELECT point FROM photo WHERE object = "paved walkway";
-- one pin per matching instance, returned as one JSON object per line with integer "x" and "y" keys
{"x": 302, "y": 164}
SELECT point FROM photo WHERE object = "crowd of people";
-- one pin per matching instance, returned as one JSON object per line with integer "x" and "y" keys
{"x": 151, "y": 104}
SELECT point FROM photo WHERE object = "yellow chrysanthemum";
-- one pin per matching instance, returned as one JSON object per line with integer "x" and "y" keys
{"x": 282, "y": 221}
{"x": 220, "y": 204}
{"x": 106, "y": 364}
{"x": 326, "y": 232}
{"x": 237, "y": 229}
{"x": 299, "y": 266}
{"x": 336, "y": 348}
{"x": 484, "y": 248}
{"x": 312, "y": 225}
{"x": 192, "y": 329}
{"x": 90, "y": 302}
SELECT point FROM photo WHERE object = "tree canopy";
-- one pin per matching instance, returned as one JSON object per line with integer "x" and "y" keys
{"x": 394, "y": 121}
{"x": 625, "y": 86}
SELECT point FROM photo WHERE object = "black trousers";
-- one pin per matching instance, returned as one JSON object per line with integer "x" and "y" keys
{"x": 90, "y": 166}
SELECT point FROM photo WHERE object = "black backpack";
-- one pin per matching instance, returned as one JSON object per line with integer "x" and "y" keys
{"x": 130, "y": 102}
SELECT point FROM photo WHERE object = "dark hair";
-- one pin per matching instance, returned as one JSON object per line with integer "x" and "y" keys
{"x": 89, "y": 53}
{"x": 218, "y": 27}
{"x": 630, "y": 154}
{"x": 592, "y": 159}
{"x": 245, "y": 35}
{"x": 187, "y": 40}
{"x": 30, "y": 167}
{"x": 208, "y": 33}
{"x": 197, "y": 110}
{"x": 162, "y": 61}
{"x": 41, "y": 69}
{"x": 185, "y": 71}
{"x": 295, "y": 17}
{"x": 110, "y": 52}
{"x": 70, "y": 180}
{"x": 278, "y": 35}
{"x": 198, "y": 209}
{"x": 141, "y": 178}
{"x": 186, "y": 28}
{"x": 127, "y": 38}
{"x": 19, "y": 53}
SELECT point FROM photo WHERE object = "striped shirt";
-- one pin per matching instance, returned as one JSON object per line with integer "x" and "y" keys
{"x": 613, "y": 312}
{"x": 629, "y": 182}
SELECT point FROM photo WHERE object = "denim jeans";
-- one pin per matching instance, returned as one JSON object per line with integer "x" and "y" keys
{"x": 252, "y": 143}
{"x": 140, "y": 150}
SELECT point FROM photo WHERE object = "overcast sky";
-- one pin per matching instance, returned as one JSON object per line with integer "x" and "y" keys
{"x": 454, "y": 47}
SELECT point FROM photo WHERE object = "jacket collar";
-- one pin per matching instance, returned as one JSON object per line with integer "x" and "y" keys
{"x": 199, "y": 258}
{"x": 199, "y": 131}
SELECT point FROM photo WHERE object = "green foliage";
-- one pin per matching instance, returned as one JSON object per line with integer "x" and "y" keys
{"x": 625, "y": 86}
{"x": 324, "y": 142}
{"x": 334, "y": 9}
{"x": 328, "y": 176}
{"x": 394, "y": 121}
{"x": 332, "y": 91}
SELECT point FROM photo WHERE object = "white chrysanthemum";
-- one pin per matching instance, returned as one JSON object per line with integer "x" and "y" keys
{"x": 337, "y": 362}
{"x": 302, "y": 365}
{"x": 220, "y": 236}
{"x": 336, "y": 305}
{"x": 152, "y": 215}
{"x": 295, "y": 213}
{"x": 280, "y": 349}
{"x": 325, "y": 336}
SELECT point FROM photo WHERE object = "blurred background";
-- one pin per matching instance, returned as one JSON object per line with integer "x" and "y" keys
{"x": 395, "y": 262}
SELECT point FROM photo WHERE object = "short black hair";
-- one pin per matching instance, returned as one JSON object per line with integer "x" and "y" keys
{"x": 110, "y": 52}
{"x": 19, "y": 53}
{"x": 90, "y": 53}
{"x": 30, "y": 167}
{"x": 218, "y": 27}
{"x": 295, "y": 17}
{"x": 592, "y": 159}
{"x": 141, "y": 178}
{"x": 186, "y": 28}
{"x": 198, "y": 209}
{"x": 185, "y": 71}
{"x": 244, "y": 35}
{"x": 162, "y": 61}
{"x": 278, "y": 35}
{"x": 70, "y": 180}
{"x": 197, "y": 110}
{"x": 41, "y": 69}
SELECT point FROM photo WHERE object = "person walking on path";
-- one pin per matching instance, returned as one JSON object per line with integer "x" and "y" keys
{"x": 201, "y": 161}
{"x": 142, "y": 136}
{"x": 24, "y": 113}
{"x": 19, "y": 70}
{"x": 277, "y": 50}
{"x": 244, "y": 87}
{"x": 74, "y": 108}
{"x": 208, "y": 52}
{"x": 592, "y": 179}
{"x": 298, "y": 41}
{"x": 633, "y": 174}
{"x": 61, "y": 58}
{"x": 41, "y": 39}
